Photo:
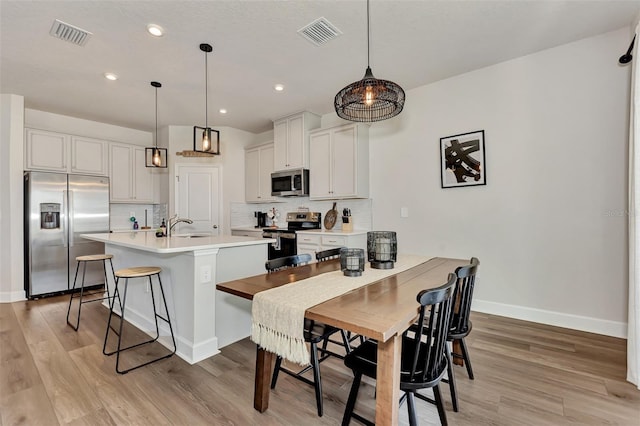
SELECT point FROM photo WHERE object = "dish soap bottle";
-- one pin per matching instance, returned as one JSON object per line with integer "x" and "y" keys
{"x": 163, "y": 228}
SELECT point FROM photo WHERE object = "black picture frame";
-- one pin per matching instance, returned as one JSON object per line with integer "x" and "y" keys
{"x": 462, "y": 160}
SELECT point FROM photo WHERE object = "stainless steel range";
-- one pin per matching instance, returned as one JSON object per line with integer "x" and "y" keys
{"x": 286, "y": 241}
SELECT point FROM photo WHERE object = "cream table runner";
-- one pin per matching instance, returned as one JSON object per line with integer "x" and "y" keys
{"x": 278, "y": 314}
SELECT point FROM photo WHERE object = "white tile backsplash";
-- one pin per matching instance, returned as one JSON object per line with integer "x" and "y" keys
{"x": 120, "y": 214}
{"x": 242, "y": 213}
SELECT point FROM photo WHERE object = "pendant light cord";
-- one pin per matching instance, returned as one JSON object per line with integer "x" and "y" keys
{"x": 156, "y": 117}
{"x": 206, "y": 92}
{"x": 368, "y": 36}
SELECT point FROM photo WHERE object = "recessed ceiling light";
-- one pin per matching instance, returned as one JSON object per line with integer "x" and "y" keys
{"x": 223, "y": 111}
{"x": 155, "y": 30}
{"x": 110, "y": 76}
{"x": 278, "y": 87}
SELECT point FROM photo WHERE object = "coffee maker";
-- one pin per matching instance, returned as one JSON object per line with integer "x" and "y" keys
{"x": 261, "y": 219}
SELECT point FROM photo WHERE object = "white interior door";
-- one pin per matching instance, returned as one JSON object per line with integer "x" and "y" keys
{"x": 198, "y": 198}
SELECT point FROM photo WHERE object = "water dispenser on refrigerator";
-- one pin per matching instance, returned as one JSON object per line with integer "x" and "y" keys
{"x": 49, "y": 215}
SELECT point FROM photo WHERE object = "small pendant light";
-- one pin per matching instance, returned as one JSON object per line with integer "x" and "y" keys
{"x": 156, "y": 157}
{"x": 202, "y": 136}
{"x": 369, "y": 99}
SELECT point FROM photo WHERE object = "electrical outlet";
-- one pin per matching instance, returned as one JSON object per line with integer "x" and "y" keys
{"x": 205, "y": 274}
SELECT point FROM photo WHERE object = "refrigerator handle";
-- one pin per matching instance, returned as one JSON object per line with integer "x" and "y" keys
{"x": 65, "y": 221}
{"x": 70, "y": 212}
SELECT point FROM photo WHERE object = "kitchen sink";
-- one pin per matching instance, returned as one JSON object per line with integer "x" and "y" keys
{"x": 202, "y": 235}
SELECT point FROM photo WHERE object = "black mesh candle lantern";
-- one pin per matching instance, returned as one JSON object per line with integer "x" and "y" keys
{"x": 352, "y": 261}
{"x": 382, "y": 249}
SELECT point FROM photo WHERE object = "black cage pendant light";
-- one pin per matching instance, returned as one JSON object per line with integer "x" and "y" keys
{"x": 156, "y": 157}
{"x": 369, "y": 99}
{"x": 204, "y": 138}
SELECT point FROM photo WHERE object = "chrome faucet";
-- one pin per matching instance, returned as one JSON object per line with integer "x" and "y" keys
{"x": 173, "y": 221}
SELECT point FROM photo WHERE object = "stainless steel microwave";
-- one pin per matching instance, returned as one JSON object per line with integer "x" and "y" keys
{"x": 290, "y": 183}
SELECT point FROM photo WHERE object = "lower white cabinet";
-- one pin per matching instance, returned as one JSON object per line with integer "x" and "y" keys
{"x": 314, "y": 241}
{"x": 59, "y": 152}
{"x": 131, "y": 181}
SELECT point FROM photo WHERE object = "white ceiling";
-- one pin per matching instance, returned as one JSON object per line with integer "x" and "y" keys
{"x": 255, "y": 45}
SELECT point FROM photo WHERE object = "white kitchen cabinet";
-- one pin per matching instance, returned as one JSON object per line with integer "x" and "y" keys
{"x": 88, "y": 156}
{"x": 308, "y": 244}
{"x": 258, "y": 165}
{"x": 291, "y": 140}
{"x": 131, "y": 181}
{"x": 59, "y": 152}
{"x": 315, "y": 241}
{"x": 339, "y": 162}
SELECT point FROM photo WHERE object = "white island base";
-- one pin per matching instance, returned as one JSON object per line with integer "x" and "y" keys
{"x": 203, "y": 318}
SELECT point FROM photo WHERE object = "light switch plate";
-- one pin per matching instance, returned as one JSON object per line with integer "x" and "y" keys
{"x": 404, "y": 211}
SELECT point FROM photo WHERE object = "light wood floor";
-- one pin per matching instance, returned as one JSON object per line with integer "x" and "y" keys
{"x": 526, "y": 374}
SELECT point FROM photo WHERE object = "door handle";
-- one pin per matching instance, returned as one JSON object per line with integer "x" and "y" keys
{"x": 215, "y": 226}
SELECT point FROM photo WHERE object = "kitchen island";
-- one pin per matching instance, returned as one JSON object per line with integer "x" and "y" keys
{"x": 203, "y": 318}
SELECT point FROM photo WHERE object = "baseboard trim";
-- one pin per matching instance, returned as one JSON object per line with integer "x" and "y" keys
{"x": 12, "y": 296}
{"x": 185, "y": 348}
{"x": 558, "y": 319}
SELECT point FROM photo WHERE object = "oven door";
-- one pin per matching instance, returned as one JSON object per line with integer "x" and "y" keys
{"x": 285, "y": 245}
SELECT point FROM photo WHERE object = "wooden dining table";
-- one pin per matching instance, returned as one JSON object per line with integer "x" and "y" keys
{"x": 381, "y": 310}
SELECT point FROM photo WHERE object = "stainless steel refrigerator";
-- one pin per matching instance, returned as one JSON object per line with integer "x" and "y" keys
{"x": 58, "y": 208}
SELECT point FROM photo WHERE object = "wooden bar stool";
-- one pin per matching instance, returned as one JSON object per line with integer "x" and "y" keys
{"x": 74, "y": 295}
{"x": 137, "y": 272}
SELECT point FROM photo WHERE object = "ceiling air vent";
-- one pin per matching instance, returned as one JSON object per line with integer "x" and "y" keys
{"x": 67, "y": 32}
{"x": 319, "y": 31}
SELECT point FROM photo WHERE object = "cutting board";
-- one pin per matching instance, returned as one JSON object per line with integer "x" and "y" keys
{"x": 331, "y": 217}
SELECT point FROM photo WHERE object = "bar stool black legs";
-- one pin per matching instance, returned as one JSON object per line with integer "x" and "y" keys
{"x": 84, "y": 260}
{"x": 137, "y": 273}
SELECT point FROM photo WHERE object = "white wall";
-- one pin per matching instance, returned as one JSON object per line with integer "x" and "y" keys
{"x": 549, "y": 227}
{"x": 76, "y": 126}
{"x": 11, "y": 153}
{"x": 231, "y": 163}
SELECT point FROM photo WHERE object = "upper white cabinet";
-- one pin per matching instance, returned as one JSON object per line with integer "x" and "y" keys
{"x": 131, "y": 181}
{"x": 59, "y": 152}
{"x": 339, "y": 162}
{"x": 291, "y": 140}
{"x": 258, "y": 165}
{"x": 88, "y": 156}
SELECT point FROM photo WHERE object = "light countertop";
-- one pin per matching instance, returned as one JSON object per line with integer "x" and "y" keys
{"x": 335, "y": 231}
{"x": 252, "y": 228}
{"x": 134, "y": 230}
{"x": 147, "y": 241}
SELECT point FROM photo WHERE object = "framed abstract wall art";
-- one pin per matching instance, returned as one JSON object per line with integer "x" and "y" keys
{"x": 462, "y": 160}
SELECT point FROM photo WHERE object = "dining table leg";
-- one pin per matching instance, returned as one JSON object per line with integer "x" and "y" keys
{"x": 388, "y": 381}
{"x": 457, "y": 349}
{"x": 264, "y": 360}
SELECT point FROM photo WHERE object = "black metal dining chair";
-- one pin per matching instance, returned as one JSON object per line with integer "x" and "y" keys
{"x": 287, "y": 262}
{"x": 459, "y": 325}
{"x": 424, "y": 358}
{"x": 314, "y": 333}
{"x": 323, "y": 256}
{"x": 328, "y": 254}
